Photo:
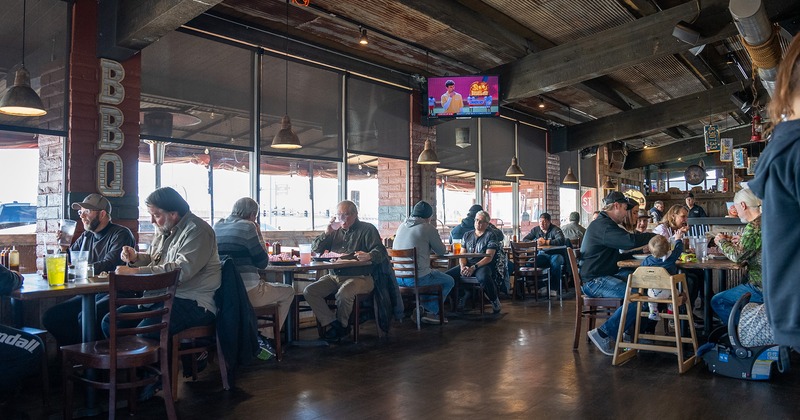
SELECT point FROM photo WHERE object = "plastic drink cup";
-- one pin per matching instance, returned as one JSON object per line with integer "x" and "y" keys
{"x": 701, "y": 249}
{"x": 80, "y": 259}
{"x": 305, "y": 254}
{"x": 67, "y": 228}
{"x": 56, "y": 266}
{"x": 336, "y": 225}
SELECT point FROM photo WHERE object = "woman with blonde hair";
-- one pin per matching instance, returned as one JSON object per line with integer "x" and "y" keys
{"x": 673, "y": 225}
{"x": 776, "y": 182}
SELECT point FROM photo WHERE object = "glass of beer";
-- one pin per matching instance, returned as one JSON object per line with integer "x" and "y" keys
{"x": 56, "y": 266}
{"x": 456, "y": 246}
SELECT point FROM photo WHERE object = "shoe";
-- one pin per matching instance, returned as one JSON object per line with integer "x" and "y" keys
{"x": 432, "y": 319}
{"x": 336, "y": 331}
{"x": 654, "y": 317}
{"x": 553, "y": 293}
{"x": 149, "y": 391}
{"x": 605, "y": 345}
{"x": 542, "y": 291}
{"x": 496, "y": 306}
{"x": 266, "y": 351}
{"x": 461, "y": 305}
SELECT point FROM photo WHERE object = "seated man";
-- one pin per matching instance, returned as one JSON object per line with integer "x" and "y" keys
{"x": 350, "y": 236}
{"x": 182, "y": 241}
{"x": 573, "y": 230}
{"x": 481, "y": 240}
{"x": 600, "y": 253}
{"x": 417, "y": 232}
{"x": 104, "y": 241}
{"x": 20, "y": 352}
{"x": 238, "y": 236}
{"x": 548, "y": 234}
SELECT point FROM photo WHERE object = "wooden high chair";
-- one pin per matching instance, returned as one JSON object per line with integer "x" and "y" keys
{"x": 656, "y": 278}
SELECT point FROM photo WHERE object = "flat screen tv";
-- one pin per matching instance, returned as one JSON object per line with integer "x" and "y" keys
{"x": 463, "y": 96}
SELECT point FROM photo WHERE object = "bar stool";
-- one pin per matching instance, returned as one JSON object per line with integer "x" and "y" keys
{"x": 657, "y": 278}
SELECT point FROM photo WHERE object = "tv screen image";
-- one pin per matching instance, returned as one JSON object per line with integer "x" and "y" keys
{"x": 463, "y": 96}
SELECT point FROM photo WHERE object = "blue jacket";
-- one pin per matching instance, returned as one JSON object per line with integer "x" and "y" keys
{"x": 777, "y": 183}
{"x": 669, "y": 263}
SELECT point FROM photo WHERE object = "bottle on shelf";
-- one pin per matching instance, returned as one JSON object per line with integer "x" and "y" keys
{"x": 3, "y": 257}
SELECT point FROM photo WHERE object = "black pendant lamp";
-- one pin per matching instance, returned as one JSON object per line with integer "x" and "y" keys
{"x": 286, "y": 138}
{"x": 20, "y": 99}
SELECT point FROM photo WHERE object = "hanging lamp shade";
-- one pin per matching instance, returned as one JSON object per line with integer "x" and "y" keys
{"x": 363, "y": 40}
{"x": 286, "y": 138}
{"x": 21, "y": 100}
{"x": 514, "y": 170}
{"x": 609, "y": 185}
{"x": 570, "y": 178}
{"x": 428, "y": 155}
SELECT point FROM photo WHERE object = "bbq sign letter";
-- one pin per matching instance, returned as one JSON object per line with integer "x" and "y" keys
{"x": 109, "y": 164}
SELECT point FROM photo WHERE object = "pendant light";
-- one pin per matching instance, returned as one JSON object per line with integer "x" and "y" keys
{"x": 362, "y": 39}
{"x": 20, "y": 99}
{"x": 286, "y": 138}
{"x": 609, "y": 185}
{"x": 570, "y": 178}
{"x": 514, "y": 170}
{"x": 428, "y": 155}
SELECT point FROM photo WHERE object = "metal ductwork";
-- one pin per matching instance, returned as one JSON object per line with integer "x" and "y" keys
{"x": 760, "y": 39}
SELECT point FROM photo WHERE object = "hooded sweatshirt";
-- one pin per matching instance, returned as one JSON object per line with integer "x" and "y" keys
{"x": 418, "y": 233}
{"x": 777, "y": 183}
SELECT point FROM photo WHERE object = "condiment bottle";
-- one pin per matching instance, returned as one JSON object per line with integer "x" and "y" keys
{"x": 13, "y": 259}
{"x": 3, "y": 257}
{"x": 276, "y": 248}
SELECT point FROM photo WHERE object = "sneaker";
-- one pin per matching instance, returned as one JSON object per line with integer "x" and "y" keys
{"x": 542, "y": 291}
{"x": 605, "y": 345}
{"x": 654, "y": 317}
{"x": 432, "y": 319}
{"x": 496, "y": 306}
{"x": 336, "y": 331}
{"x": 266, "y": 351}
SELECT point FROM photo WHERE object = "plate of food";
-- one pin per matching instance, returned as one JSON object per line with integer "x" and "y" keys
{"x": 100, "y": 278}
{"x": 640, "y": 256}
{"x": 322, "y": 259}
{"x": 327, "y": 256}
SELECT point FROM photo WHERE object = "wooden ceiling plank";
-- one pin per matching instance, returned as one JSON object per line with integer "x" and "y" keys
{"x": 610, "y": 50}
{"x": 681, "y": 149}
{"x": 652, "y": 118}
{"x": 142, "y": 22}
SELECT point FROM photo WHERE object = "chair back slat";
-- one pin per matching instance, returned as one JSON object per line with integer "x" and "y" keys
{"x": 524, "y": 255}
{"x": 653, "y": 278}
{"x": 404, "y": 263}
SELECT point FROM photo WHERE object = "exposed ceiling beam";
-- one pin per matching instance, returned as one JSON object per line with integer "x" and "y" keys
{"x": 682, "y": 149}
{"x": 142, "y": 22}
{"x": 651, "y": 118}
{"x": 611, "y": 50}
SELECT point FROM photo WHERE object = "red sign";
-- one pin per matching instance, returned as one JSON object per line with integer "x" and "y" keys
{"x": 587, "y": 201}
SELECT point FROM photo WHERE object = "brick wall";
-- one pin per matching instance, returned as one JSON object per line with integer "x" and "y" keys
{"x": 553, "y": 181}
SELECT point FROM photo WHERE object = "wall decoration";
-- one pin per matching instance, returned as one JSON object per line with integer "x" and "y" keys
{"x": 751, "y": 165}
{"x": 726, "y": 150}
{"x": 711, "y": 133}
{"x": 739, "y": 158}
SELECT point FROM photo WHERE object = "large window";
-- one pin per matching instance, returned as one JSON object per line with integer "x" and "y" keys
{"x": 531, "y": 203}
{"x": 19, "y": 161}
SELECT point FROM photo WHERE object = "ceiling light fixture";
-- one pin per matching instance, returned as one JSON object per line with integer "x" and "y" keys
{"x": 363, "y": 40}
{"x": 285, "y": 138}
{"x": 428, "y": 155}
{"x": 514, "y": 170}
{"x": 541, "y": 103}
{"x": 609, "y": 185}
{"x": 20, "y": 99}
{"x": 570, "y": 178}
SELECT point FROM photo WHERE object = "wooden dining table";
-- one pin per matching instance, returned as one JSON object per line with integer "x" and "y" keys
{"x": 35, "y": 287}
{"x": 287, "y": 271}
{"x": 708, "y": 267}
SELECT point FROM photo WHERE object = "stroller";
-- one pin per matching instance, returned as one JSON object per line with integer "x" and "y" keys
{"x": 725, "y": 355}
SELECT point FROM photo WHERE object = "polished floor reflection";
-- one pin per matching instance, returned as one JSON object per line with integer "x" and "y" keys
{"x": 519, "y": 364}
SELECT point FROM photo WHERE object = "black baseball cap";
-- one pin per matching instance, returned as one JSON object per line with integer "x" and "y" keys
{"x": 618, "y": 197}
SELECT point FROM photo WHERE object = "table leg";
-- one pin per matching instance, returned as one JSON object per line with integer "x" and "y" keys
{"x": 88, "y": 327}
{"x": 17, "y": 313}
{"x": 288, "y": 278}
{"x": 707, "y": 317}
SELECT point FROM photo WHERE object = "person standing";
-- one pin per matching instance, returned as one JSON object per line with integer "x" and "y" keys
{"x": 353, "y": 237}
{"x": 694, "y": 209}
{"x": 776, "y": 182}
{"x": 452, "y": 101}
{"x": 417, "y": 232}
{"x": 104, "y": 240}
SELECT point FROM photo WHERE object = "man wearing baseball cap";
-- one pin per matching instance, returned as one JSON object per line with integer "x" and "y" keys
{"x": 104, "y": 241}
{"x": 599, "y": 255}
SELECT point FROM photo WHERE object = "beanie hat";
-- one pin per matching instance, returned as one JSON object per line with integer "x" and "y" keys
{"x": 422, "y": 209}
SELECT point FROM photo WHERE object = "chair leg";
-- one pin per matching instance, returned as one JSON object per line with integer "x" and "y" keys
{"x": 441, "y": 307}
{"x": 174, "y": 367}
{"x": 167, "y": 380}
{"x": 578, "y": 319}
{"x": 276, "y": 333}
{"x": 223, "y": 365}
{"x": 112, "y": 393}
{"x": 45, "y": 380}
{"x": 357, "y": 313}
{"x": 66, "y": 371}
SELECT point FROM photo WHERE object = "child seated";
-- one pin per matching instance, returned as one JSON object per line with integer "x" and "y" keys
{"x": 660, "y": 256}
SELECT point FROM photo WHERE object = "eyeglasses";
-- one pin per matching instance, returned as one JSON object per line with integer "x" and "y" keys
{"x": 85, "y": 211}
{"x": 343, "y": 215}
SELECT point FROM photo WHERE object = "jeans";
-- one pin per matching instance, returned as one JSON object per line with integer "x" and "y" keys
{"x": 64, "y": 319}
{"x": 611, "y": 326}
{"x": 555, "y": 261}
{"x": 429, "y": 302}
{"x": 483, "y": 274}
{"x": 723, "y": 302}
{"x": 185, "y": 314}
{"x": 606, "y": 286}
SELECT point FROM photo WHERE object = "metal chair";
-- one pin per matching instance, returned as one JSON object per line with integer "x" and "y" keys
{"x": 591, "y": 308}
{"x": 404, "y": 264}
{"x": 126, "y": 349}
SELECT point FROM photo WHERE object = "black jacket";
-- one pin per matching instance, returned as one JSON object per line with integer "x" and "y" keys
{"x": 777, "y": 183}
{"x": 601, "y": 245}
{"x": 237, "y": 329}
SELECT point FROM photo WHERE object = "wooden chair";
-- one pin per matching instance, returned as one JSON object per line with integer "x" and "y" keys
{"x": 194, "y": 342}
{"x": 355, "y": 315}
{"x": 591, "y": 308}
{"x": 657, "y": 278}
{"x": 473, "y": 284}
{"x": 404, "y": 264}
{"x": 126, "y": 349}
{"x": 524, "y": 257}
{"x": 267, "y": 316}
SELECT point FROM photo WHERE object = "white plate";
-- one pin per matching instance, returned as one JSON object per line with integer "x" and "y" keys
{"x": 717, "y": 256}
{"x": 640, "y": 256}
